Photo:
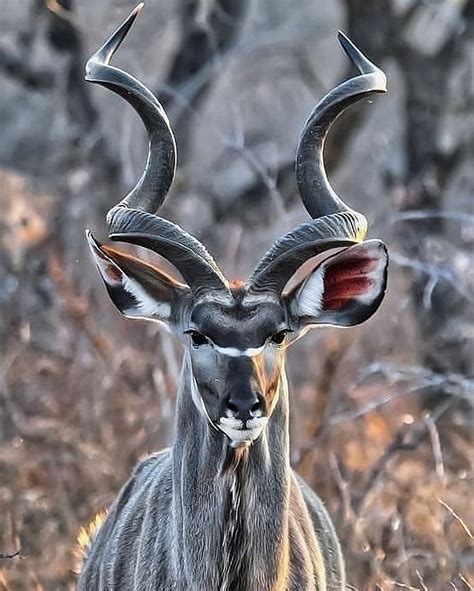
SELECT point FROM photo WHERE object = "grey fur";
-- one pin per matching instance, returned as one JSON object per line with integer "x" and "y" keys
{"x": 222, "y": 509}
{"x": 179, "y": 523}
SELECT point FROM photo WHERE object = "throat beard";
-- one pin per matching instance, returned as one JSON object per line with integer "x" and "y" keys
{"x": 232, "y": 459}
{"x": 235, "y": 559}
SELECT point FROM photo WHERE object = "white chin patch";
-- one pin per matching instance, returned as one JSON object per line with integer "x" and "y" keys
{"x": 240, "y": 437}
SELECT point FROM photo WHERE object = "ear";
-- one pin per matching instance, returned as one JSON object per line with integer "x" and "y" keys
{"x": 344, "y": 290}
{"x": 137, "y": 289}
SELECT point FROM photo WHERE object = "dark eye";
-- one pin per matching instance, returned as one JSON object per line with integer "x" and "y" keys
{"x": 279, "y": 337}
{"x": 197, "y": 338}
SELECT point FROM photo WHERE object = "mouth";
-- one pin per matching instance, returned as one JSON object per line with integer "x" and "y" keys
{"x": 242, "y": 433}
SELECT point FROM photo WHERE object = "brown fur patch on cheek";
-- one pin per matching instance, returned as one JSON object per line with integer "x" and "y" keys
{"x": 268, "y": 367}
{"x": 272, "y": 386}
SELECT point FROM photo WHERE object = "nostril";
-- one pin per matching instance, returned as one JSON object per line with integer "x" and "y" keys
{"x": 256, "y": 407}
{"x": 244, "y": 409}
{"x": 232, "y": 407}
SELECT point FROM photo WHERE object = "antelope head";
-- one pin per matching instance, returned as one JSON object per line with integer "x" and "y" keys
{"x": 236, "y": 334}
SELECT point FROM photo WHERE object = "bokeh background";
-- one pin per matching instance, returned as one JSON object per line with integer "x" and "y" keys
{"x": 382, "y": 413}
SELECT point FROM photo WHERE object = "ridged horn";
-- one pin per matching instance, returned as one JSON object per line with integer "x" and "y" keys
{"x": 153, "y": 186}
{"x": 185, "y": 252}
{"x": 133, "y": 219}
{"x": 317, "y": 194}
{"x": 335, "y": 223}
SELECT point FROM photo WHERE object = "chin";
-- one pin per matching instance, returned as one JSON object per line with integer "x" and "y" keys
{"x": 240, "y": 437}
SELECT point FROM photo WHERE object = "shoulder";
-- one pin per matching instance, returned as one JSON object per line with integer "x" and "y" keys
{"x": 153, "y": 470}
{"x": 318, "y": 512}
{"x": 150, "y": 467}
{"x": 325, "y": 533}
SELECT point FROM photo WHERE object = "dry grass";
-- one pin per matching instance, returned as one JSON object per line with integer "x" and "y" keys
{"x": 393, "y": 466}
{"x": 84, "y": 394}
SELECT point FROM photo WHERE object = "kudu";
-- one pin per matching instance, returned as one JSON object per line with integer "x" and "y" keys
{"x": 222, "y": 509}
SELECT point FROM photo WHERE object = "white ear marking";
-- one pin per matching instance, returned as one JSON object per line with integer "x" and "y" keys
{"x": 346, "y": 289}
{"x": 376, "y": 275}
{"x": 146, "y": 305}
{"x": 309, "y": 301}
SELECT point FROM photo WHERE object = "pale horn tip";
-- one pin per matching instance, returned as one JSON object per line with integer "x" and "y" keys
{"x": 103, "y": 55}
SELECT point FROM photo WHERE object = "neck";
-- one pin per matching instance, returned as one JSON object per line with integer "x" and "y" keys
{"x": 230, "y": 507}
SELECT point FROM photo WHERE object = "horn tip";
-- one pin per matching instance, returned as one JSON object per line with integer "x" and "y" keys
{"x": 342, "y": 35}
{"x": 362, "y": 63}
{"x": 133, "y": 15}
{"x": 345, "y": 42}
{"x": 124, "y": 28}
{"x": 135, "y": 12}
{"x": 104, "y": 54}
{"x": 356, "y": 56}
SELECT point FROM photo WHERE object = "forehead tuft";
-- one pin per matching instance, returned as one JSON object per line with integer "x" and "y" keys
{"x": 242, "y": 323}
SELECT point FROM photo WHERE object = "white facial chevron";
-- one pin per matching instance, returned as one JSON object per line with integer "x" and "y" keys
{"x": 234, "y": 352}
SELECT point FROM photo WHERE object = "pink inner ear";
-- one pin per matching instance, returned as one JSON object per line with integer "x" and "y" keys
{"x": 347, "y": 279}
{"x": 114, "y": 275}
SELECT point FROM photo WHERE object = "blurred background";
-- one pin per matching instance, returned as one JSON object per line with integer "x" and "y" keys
{"x": 381, "y": 414}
